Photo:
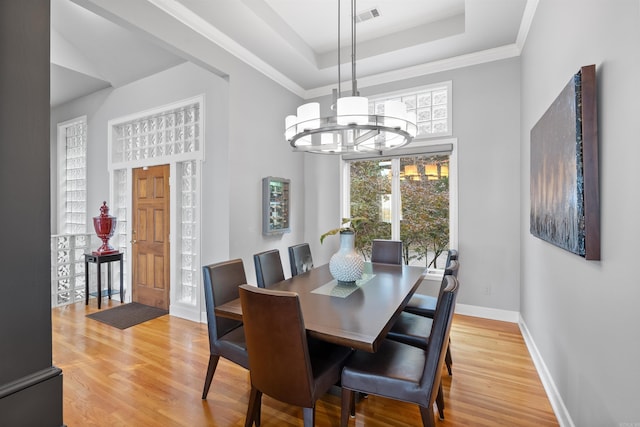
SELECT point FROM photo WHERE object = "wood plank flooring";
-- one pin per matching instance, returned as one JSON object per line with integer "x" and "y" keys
{"x": 152, "y": 375}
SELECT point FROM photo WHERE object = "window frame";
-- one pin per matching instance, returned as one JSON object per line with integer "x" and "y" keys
{"x": 443, "y": 146}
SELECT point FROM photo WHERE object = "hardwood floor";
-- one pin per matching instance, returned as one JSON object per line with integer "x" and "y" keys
{"x": 152, "y": 375}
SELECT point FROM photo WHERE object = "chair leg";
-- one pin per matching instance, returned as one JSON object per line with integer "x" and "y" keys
{"x": 213, "y": 362}
{"x": 428, "y": 420}
{"x": 352, "y": 409}
{"x": 258, "y": 410}
{"x": 253, "y": 409}
{"x": 348, "y": 406}
{"x": 309, "y": 415}
{"x": 447, "y": 358}
{"x": 440, "y": 402}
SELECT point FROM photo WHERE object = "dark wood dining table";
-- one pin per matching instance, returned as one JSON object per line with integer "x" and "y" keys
{"x": 357, "y": 316}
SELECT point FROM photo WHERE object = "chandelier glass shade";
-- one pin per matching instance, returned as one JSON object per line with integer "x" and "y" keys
{"x": 350, "y": 127}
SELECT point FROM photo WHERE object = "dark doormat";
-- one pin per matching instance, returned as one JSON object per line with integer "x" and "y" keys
{"x": 127, "y": 315}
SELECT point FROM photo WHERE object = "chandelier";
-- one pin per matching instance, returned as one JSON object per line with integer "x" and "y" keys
{"x": 350, "y": 128}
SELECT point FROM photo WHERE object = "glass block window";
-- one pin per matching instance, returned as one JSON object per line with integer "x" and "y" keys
{"x": 120, "y": 237}
{"x": 72, "y": 164}
{"x": 188, "y": 257}
{"x": 120, "y": 201}
{"x": 164, "y": 134}
{"x": 67, "y": 268}
{"x": 429, "y": 106}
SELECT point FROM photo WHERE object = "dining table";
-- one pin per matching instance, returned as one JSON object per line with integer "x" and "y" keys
{"x": 355, "y": 315}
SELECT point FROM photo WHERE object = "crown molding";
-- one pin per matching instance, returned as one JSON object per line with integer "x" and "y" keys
{"x": 202, "y": 27}
{"x": 525, "y": 24}
{"x": 489, "y": 55}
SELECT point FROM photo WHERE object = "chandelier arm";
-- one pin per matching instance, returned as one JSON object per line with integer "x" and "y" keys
{"x": 354, "y": 86}
{"x": 367, "y": 136}
{"x": 339, "y": 63}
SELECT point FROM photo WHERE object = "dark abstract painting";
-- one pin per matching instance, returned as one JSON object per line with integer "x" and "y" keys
{"x": 564, "y": 170}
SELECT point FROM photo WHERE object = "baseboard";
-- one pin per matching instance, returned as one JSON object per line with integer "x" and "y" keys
{"x": 34, "y": 400}
{"x": 559, "y": 408}
{"x": 488, "y": 313}
{"x": 183, "y": 313}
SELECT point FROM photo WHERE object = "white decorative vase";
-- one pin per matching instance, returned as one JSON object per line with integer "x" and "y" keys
{"x": 346, "y": 265}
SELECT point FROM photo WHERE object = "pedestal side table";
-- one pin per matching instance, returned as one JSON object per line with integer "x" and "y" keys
{"x": 99, "y": 260}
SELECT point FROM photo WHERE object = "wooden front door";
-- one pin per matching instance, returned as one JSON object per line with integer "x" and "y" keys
{"x": 150, "y": 236}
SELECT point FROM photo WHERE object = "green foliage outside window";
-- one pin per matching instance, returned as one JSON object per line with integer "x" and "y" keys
{"x": 424, "y": 221}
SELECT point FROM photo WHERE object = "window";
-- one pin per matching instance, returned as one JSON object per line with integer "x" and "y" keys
{"x": 409, "y": 194}
{"x": 404, "y": 198}
{"x": 429, "y": 106}
{"x": 171, "y": 132}
{"x": 72, "y": 176}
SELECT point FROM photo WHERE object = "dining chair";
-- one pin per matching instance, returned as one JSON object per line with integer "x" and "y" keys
{"x": 226, "y": 336}
{"x": 386, "y": 251}
{"x": 300, "y": 258}
{"x": 285, "y": 364}
{"x": 403, "y": 372}
{"x": 268, "y": 268}
{"x": 413, "y": 329}
{"x": 425, "y": 305}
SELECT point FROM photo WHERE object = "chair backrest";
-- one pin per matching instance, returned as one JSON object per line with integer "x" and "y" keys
{"x": 386, "y": 251}
{"x": 221, "y": 281}
{"x": 439, "y": 338}
{"x": 452, "y": 268}
{"x": 300, "y": 259}
{"x": 452, "y": 255}
{"x": 268, "y": 268}
{"x": 276, "y": 338}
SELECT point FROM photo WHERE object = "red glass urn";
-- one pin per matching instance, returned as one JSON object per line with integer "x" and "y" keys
{"x": 105, "y": 226}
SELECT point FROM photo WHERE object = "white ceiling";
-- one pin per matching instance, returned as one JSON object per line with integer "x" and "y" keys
{"x": 292, "y": 41}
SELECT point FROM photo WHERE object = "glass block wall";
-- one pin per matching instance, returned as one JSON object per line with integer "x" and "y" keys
{"x": 119, "y": 240}
{"x": 73, "y": 185}
{"x": 428, "y": 107}
{"x": 188, "y": 260}
{"x": 168, "y": 133}
{"x": 67, "y": 268}
{"x": 119, "y": 210}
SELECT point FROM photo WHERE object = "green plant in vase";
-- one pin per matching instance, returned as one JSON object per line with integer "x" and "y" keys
{"x": 348, "y": 224}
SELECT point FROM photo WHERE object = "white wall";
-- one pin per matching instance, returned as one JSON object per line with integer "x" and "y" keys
{"x": 178, "y": 83}
{"x": 583, "y": 315}
{"x": 486, "y": 122}
{"x": 255, "y": 124}
{"x": 258, "y": 149}
{"x": 243, "y": 141}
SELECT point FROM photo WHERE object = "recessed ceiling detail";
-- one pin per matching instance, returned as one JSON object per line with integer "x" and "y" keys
{"x": 292, "y": 42}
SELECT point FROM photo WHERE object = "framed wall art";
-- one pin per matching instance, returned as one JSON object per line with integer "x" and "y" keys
{"x": 564, "y": 186}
